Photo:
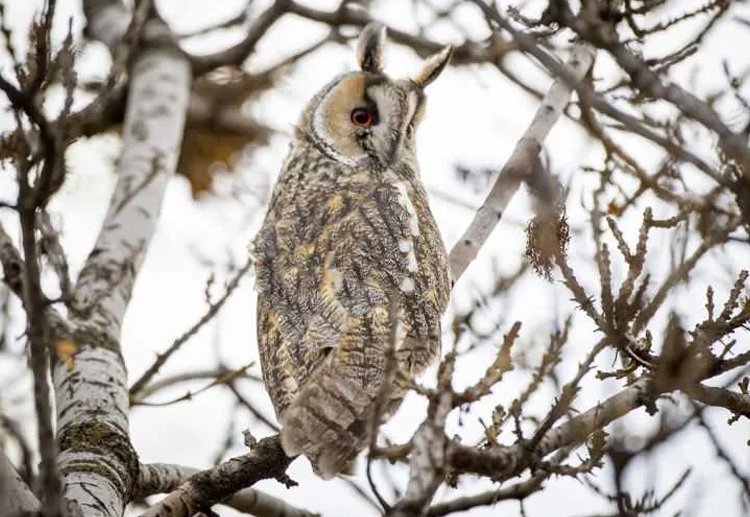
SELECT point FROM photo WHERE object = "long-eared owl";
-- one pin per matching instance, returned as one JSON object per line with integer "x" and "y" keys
{"x": 350, "y": 263}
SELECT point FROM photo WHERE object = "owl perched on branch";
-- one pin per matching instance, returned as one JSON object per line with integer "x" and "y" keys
{"x": 350, "y": 264}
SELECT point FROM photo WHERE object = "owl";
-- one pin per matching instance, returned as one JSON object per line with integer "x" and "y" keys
{"x": 349, "y": 261}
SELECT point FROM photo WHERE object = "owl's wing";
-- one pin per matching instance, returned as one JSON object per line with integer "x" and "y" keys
{"x": 325, "y": 317}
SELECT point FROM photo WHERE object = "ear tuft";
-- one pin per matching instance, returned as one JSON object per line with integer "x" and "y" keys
{"x": 370, "y": 47}
{"x": 433, "y": 66}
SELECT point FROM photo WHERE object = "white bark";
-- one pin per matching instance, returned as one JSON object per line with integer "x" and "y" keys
{"x": 427, "y": 460}
{"x": 520, "y": 164}
{"x": 97, "y": 459}
{"x": 92, "y": 427}
{"x": 15, "y": 495}
{"x": 152, "y": 133}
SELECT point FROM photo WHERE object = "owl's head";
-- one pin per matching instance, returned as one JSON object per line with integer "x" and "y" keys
{"x": 365, "y": 117}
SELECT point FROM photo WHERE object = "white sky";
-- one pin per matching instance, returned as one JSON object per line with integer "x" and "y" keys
{"x": 474, "y": 118}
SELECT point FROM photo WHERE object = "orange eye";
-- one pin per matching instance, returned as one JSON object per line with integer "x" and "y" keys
{"x": 362, "y": 117}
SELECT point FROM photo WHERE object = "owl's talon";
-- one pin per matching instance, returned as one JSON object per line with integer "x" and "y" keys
{"x": 285, "y": 480}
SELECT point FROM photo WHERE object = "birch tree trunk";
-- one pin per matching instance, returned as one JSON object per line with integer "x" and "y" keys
{"x": 97, "y": 461}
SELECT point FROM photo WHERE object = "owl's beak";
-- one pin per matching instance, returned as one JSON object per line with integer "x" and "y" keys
{"x": 385, "y": 143}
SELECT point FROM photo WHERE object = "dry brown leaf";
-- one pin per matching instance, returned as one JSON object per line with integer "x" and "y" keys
{"x": 65, "y": 350}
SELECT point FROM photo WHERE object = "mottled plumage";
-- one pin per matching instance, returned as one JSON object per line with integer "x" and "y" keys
{"x": 348, "y": 230}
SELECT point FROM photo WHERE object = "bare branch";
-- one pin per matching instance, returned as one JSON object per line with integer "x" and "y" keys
{"x": 212, "y": 311}
{"x": 237, "y": 54}
{"x": 158, "y": 478}
{"x": 505, "y": 462}
{"x": 737, "y": 403}
{"x": 517, "y": 491}
{"x": 90, "y": 378}
{"x": 604, "y": 36}
{"x": 351, "y": 14}
{"x": 520, "y": 164}
{"x": 13, "y": 267}
{"x": 427, "y": 463}
{"x": 204, "y": 489}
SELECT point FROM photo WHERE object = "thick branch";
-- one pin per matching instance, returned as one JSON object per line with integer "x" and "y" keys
{"x": 91, "y": 385}
{"x": 505, "y": 462}
{"x": 737, "y": 403}
{"x": 158, "y": 478}
{"x": 152, "y": 132}
{"x": 204, "y": 489}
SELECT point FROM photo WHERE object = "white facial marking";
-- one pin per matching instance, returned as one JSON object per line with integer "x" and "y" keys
{"x": 329, "y": 140}
{"x": 407, "y": 285}
{"x": 400, "y": 334}
{"x": 411, "y": 263}
{"x": 336, "y": 279}
{"x": 405, "y": 201}
{"x": 405, "y": 245}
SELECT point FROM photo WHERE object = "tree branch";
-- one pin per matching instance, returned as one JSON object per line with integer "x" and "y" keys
{"x": 604, "y": 35}
{"x": 737, "y": 403}
{"x": 517, "y": 491}
{"x": 237, "y": 54}
{"x": 12, "y": 263}
{"x": 427, "y": 462}
{"x": 91, "y": 385}
{"x": 466, "y": 53}
{"x": 152, "y": 132}
{"x": 587, "y": 94}
{"x": 212, "y": 311}
{"x": 520, "y": 165}
{"x": 202, "y": 490}
{"x": 158, "y": 478}
{"x": 503, "y": 463}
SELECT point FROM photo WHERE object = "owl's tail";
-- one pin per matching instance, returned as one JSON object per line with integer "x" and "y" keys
{"x": 329, "y": 420}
